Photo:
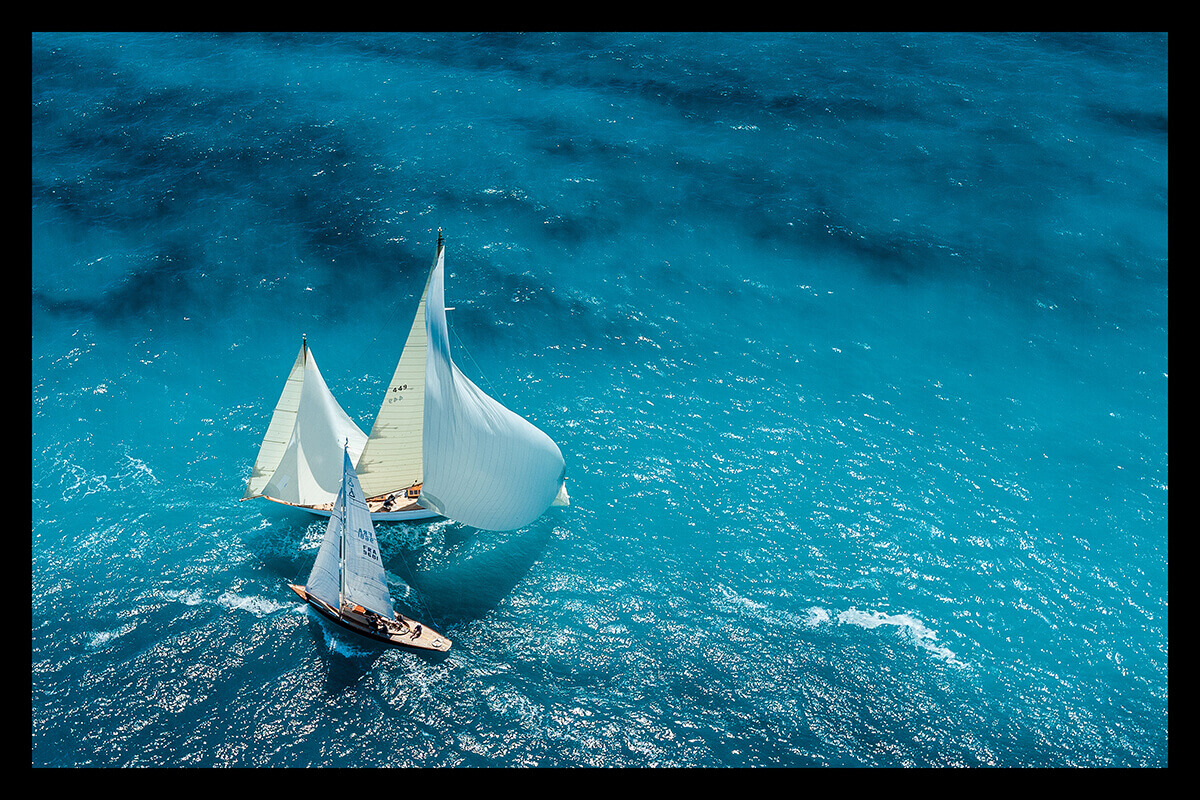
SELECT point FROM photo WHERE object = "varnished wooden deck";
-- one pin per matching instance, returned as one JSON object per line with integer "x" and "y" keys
{"x": 404, "y": 631}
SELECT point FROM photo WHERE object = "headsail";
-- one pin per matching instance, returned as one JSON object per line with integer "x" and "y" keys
{"x": 279, "y": 431}
{"x": 484, "y": 466}
{"x": 325, "y": 580}
{"x": 348, "y": 569}
{"x": 305, "y": 470}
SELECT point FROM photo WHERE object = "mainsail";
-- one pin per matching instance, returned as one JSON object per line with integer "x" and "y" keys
{"x": 392, "y": 456}
{"x": 348, "y": 570}
{"x": 348, "y": 584}
{"x": 473, "y": 460}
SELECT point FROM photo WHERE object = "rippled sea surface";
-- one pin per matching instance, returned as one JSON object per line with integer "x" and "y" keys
{"x": 855, "y": 344}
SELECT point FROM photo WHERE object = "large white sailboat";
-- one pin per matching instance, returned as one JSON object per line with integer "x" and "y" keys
{"x": 439, "y": 446}
{"x": 348, "y": 584}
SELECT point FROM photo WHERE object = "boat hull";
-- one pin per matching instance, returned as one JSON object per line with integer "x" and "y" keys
{"x": 413, "y": 513}
{"x": 418, "y": 636}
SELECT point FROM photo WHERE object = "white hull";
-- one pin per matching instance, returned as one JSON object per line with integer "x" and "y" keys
{"x": 412, "y": 514}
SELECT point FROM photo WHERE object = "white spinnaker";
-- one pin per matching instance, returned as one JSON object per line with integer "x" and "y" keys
{"x": 484, "y": 466}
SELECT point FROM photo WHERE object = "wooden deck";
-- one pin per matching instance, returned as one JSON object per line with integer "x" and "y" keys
{"x": 401, "y": 632}
{"x": 385, "y": 508}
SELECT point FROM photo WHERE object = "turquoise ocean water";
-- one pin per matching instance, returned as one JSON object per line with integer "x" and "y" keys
{"x": 855, "y": 346}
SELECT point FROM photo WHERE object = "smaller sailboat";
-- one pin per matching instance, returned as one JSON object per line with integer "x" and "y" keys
{"x": 348, "y": 584}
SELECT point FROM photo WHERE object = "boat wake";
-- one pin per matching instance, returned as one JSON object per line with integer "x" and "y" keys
{"x": 905, "y": 625}
{"x": 256, "y": 605}
{"x": 910, "y": 627}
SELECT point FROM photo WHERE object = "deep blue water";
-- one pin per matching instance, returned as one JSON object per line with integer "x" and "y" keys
{"x": 856, "y": 347}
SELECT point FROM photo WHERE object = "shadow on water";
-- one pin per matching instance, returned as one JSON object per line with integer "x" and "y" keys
{"x": 464, "y": 573}
{"x": 455, "y": 573}
{"x": 348, "y": 657}
{"x": 346, "y": 661}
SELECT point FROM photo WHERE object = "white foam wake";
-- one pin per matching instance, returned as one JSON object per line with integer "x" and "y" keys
{"x": 254, "y": 604}
{"x": 908, "y": 626}
{"x": 905, "y": 625}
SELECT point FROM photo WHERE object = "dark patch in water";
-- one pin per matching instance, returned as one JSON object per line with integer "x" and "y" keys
{"x": 1116, "y": 49}
{"x": 1136, "y": 121}
{"x": 159, "y": 287}
{"x": 477, "y": 575}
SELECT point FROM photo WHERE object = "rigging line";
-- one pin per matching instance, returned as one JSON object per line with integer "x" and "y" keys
{"x": 478, "y": 370}
{"x": 416, "y": 598}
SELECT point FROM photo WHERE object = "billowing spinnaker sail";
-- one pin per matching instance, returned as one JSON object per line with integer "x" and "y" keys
{"x": 391, "y": 459}
{"x": 484, "y": 466}
{"x": 309, "y": 471}
{"x": 350, "y": 549}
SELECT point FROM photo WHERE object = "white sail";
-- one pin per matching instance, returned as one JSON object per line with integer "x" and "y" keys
{"x": 363, "y": 579}
{"x": 279, "y": 431}
{"x": 348, "y": 569}
{"x": 307, "y": 471}
{"x": 391, "y": 458}
{"x": 484, "y": 466}
{"x": 325, "y": 580}
{"x": 476, "y": 462}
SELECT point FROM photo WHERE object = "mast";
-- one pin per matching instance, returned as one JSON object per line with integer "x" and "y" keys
{"x": 342, "y": 538}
